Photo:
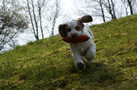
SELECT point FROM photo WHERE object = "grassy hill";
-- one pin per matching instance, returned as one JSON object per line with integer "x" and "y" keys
{"x": 48, "y": 63}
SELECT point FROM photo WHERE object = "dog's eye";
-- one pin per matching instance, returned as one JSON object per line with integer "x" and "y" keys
{"x": 68, "y": 30}
{"x": 77, "y": 28}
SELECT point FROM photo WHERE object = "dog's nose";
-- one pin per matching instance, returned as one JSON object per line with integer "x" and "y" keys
{"x": 74, "y": 35}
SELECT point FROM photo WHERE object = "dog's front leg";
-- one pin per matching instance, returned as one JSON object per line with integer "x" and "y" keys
{"x": 77, "y": 59}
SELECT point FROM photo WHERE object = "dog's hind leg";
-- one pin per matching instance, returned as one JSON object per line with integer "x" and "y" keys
{"x": 90, "y": 54}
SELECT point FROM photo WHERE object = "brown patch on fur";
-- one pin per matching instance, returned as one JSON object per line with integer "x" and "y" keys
{"x": 85, "y": 19}
{"x": 62, "y": 30}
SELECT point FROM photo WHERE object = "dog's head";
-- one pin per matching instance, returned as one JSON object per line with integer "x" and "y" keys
{"x": 74, "y": 28}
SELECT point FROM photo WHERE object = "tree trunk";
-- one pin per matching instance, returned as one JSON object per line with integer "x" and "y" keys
{"x": 31, "y": 19}
{"x": 39, "y": 10}
{"x": 52, "y": 30}
{"x": 55, "y": 16}
{"x": 113, "y": 9}
{"x": 35, "y": 21}
{"x": 130, "y": 6}
{"x": 102, "y": 10}
{"x": 41, "y": 23}
{"x": 110, "y": 10}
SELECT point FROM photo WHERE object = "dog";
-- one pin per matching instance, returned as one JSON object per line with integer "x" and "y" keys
{"x": 87, "y": 49}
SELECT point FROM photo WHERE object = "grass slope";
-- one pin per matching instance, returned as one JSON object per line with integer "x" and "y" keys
{"x": 48, "y": 63}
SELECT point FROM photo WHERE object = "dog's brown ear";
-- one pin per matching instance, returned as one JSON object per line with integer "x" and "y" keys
{"x": 62, "y": 30}
{"x": 85, "y": 19}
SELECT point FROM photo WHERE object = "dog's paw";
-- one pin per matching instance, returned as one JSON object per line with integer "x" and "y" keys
{"x": 80, "y": 66}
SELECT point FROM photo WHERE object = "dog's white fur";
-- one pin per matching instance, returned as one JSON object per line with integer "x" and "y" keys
{"x": 85, "y": 49}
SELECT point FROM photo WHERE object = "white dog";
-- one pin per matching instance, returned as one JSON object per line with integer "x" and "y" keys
{"x": 87, "y": 49}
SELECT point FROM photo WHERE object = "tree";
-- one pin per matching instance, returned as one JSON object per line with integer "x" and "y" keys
{"x": 35, "y": 10}
{"x": 93, "y": 7}
{"x": 40, "y": 6}
{"x": 131, "y": 4}
{"x": 110, "y": 7}
{"x": 33, "y": 19}
{"x": 11, "y": 24}
{"x": 125, "y": 6}
{"x": 43, "y": 13}
{"x": 99, "y": 2}
{"x": 54, "y": 15}
{"x": 97, "y": 9}
{"x": 102, "y": 10}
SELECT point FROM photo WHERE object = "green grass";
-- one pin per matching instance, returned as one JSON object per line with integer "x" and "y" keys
{"x": 48, "y": 64}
